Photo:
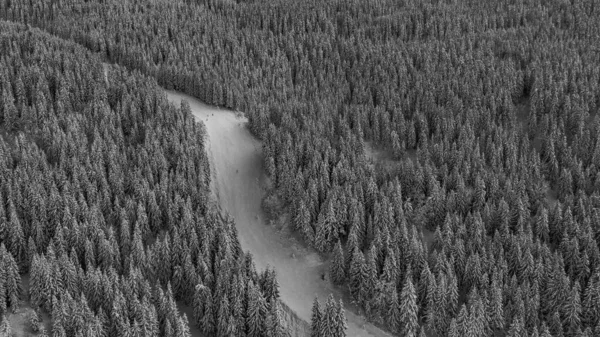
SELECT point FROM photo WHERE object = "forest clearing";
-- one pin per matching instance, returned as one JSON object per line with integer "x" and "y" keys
{"x": 238, "y": 186}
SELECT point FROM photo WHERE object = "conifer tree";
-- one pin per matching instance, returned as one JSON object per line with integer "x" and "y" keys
{"x": 453, "y": 331}
{"x": 340, "y": 320}
{"x": 390, "y": 268}
{"x": 11, "y": 277}
{"x": 333, "y": 320}
{"x": 255, "y": 312}
{"x": 326, "y": 231}
{"x": 591, "y": 301}
{"x": 408, "y": 309}
{"x": 5, "y": 328}
{"x": 572, "y": 309}
{"x": 397, "y": 147}
{"x": 544, "y": 331}
{"x": 336, "y": 269}
{"x": 462, "y": 320}
{"x": 516, "y": 328}
{"x": 392, "y": 314}
{"x": 316, "y": 319}
{"x": 496, "y": 307}
{"x": 3, "y": 304}
{"x": 302, "y": 223}
{"x": 10, "y": 113}
{"x": 370, "y": 274}
{"x": 223, "y": 317}
{"x": 203, "y": 309}
{"x": 35, "y": 320}
{"x": 355, "y": 272}
{"x": 275, "y": 325}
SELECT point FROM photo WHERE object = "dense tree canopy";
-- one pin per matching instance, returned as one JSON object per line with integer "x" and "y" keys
{"x": 104, "y": 204}
{"x": 486, "y": 220}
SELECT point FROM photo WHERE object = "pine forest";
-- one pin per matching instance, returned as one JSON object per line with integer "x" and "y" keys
{"x": 441, "y": 157}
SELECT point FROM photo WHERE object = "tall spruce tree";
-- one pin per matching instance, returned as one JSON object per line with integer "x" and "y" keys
{"x": 336, "y": 269}
{"x": 409, "y": 310}
{"x": 316, "y": 319}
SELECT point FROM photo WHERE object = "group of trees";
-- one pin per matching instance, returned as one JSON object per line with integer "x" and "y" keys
{"x": 487, "y": 221}
{"x": 104, "y": 204}
{"x": 10, "y": 281}
{"x": 328, "y": 321}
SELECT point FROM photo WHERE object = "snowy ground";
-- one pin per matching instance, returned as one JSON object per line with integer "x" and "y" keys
{"x": 19, "y": 319}
{"x": 238, "y": 182}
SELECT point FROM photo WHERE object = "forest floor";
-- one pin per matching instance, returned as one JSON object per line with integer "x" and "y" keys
{"x": 19, "y": 320}
{"x": 238, "y": 183}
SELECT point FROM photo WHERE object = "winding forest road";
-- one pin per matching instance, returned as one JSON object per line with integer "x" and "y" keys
{"x": 237, "y": 182}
